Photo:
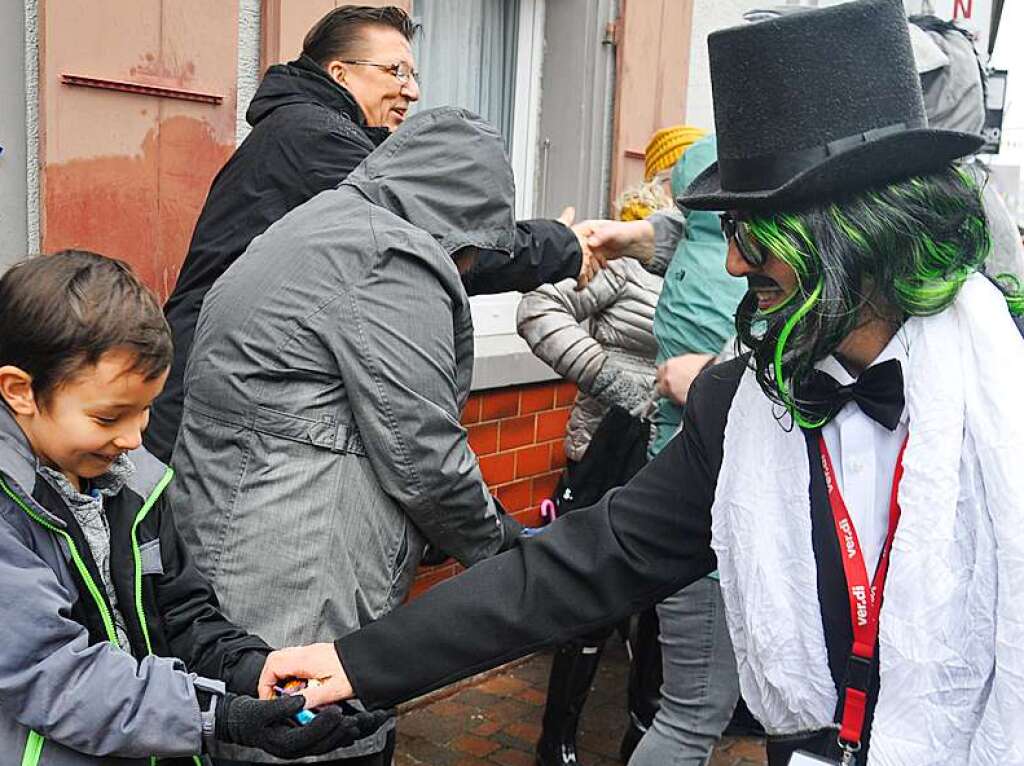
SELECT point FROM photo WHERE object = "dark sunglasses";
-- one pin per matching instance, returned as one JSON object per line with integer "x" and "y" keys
{"x": 746, "y": 242}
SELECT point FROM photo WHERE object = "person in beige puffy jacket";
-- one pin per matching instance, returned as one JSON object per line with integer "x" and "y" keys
{"x": 601, "y": 338}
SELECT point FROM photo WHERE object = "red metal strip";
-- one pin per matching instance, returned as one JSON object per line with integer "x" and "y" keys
{"x": 138, "y": 88}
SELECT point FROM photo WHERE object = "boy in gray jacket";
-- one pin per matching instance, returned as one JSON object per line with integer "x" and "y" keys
{"x": 102, "y": 613}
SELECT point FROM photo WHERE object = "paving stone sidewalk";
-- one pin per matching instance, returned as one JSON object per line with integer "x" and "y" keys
{"x": 497, "y": 721}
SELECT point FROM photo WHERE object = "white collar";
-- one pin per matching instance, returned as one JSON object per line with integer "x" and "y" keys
{"x": 896, "y": 348}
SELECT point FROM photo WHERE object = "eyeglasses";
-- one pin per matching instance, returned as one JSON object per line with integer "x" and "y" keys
{"x": 746, "y": 242}
{"x": 400, "y": 72}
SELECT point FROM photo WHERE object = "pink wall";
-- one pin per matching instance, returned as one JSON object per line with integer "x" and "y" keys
{"x": 126, "y": 173}
{"x": 123, "y": 173}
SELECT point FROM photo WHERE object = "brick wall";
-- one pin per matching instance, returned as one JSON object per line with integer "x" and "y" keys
{"x": 518, "y": 433}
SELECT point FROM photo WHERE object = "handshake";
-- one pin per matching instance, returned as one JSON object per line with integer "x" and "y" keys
{"x": 602, "y": 241}
{"x": 271, "y": 723}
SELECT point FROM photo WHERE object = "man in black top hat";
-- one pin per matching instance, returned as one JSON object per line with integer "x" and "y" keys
{"x": 854, "y": 475}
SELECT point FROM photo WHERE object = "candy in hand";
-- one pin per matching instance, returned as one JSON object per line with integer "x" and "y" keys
{"x": 295, "y": 686}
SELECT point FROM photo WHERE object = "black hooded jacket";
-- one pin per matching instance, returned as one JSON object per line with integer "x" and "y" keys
{"x": 308, "y": 135}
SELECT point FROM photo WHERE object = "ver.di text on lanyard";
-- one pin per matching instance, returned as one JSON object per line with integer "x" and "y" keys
{"x": 865, "y": 605}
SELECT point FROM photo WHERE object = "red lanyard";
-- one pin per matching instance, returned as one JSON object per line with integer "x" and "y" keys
{"x": 865, "y": 597}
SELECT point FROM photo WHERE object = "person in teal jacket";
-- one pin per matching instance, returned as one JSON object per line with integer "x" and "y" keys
{"x": 694, "y": 319}
{"x": 698, "y": 301}
{"x": 693, "y": 324}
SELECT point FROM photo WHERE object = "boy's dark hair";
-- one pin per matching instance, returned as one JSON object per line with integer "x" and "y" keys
{"x": 62, "y": 312}
{"x": 339, "y": 33}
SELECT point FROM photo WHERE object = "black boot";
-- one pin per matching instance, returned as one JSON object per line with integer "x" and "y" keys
{"x": 572, "y": 672}
{"x": 644, "y": 681}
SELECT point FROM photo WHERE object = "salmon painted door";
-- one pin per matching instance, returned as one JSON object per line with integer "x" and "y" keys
{"x": 653, "y": 62}
{"x": 137, "y": 115}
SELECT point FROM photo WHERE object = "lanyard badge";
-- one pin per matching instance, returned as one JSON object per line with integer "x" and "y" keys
{"x": 803, "y": 758}
{"x": 865, "y": 602}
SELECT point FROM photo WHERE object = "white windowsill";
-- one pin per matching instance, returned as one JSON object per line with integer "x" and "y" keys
{"x": 506, "y": 360}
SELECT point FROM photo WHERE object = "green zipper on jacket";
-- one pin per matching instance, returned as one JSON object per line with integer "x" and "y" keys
{"x": 137, "y": 557}
{"x": 35, "y": 741}
{"x": 33, "y": 749}
{"x": 90, "y": 584}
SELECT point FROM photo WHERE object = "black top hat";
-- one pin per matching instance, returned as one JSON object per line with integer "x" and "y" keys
{"x": 815, "y": 105}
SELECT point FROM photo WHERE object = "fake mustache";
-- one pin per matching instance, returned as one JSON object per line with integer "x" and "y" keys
{"x": 760, "y": 282}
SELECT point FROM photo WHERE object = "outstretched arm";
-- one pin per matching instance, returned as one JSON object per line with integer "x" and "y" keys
{"x": 651, "y": 241}
{"x": 595, "y": 566}
{"x": 546, "y": 251}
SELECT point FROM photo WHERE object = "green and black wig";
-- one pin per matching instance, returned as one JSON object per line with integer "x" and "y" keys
{"x": 909, "y": 246}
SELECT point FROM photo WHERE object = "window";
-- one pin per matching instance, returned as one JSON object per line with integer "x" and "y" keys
{"x": 467, "y": 56}
{"x": 485, "y": 55}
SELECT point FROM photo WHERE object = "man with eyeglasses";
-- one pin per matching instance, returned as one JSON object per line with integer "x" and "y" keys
{"x": 314, "y": 120}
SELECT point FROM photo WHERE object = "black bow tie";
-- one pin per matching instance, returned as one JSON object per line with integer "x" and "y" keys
{"x": 878, "y": 392}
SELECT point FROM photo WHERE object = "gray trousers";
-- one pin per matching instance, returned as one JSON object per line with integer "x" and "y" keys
{"x": 700, "y": 686}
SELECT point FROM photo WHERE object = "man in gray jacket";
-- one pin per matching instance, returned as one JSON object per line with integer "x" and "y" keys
{"x": 322, "y": 413}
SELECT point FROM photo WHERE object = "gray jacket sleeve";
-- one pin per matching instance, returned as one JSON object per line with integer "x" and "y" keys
{"x": 398, "y": 360}
{"x": 95, "y": 699}
{"x": 549, "y": 320}
{"x": 669, "y": 226}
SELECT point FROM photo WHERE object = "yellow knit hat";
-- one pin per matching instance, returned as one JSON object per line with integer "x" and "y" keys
{"x": 667, "y": 146}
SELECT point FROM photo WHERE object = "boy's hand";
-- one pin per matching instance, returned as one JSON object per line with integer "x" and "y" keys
{"x": 270, "y": 726}
{"x": 319, "y": 661}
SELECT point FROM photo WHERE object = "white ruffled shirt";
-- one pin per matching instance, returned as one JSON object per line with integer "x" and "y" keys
{"x": 864, "y": 454}
{"x": 951, "y": 632}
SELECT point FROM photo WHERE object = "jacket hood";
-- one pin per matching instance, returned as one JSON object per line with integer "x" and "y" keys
{"x": 18, "y": 464}
{"x": 444, "y": 171}
{"x": 301, "y": 81}
{"x": 17, "y": 461}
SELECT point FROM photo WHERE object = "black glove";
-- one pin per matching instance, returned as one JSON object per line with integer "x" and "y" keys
{"x": 270, "y": 725}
